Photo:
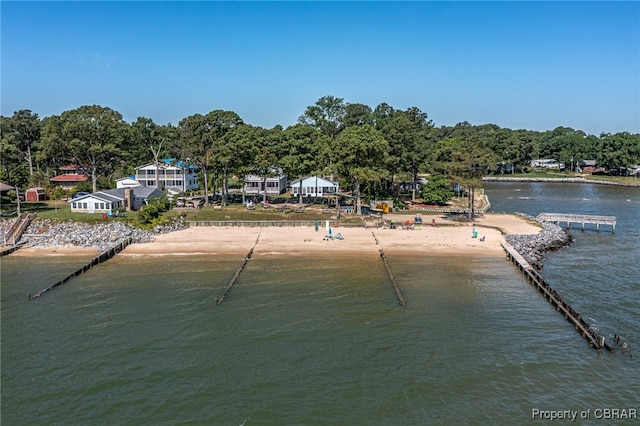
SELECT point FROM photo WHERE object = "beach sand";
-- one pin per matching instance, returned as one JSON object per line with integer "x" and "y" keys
{"x": 446, "y": 238}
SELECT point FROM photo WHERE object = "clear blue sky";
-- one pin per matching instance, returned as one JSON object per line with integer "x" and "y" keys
{"x": 522, "y": 65}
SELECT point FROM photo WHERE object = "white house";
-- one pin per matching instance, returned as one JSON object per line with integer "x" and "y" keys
{"x": 168, "y": 174}
{"x": 110, "y": 200}
{"x": 313, "y": 186}
{"x": 275, "y": 185}
{"x": 546, "y": 164}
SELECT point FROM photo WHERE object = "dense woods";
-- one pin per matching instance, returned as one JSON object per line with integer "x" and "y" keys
{"x": 371, "y": 151}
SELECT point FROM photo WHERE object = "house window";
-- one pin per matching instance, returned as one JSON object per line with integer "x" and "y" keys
{"x": 151, "y": 172}
{"x": 84, "y": 206}
{"x": 74, "y": 205}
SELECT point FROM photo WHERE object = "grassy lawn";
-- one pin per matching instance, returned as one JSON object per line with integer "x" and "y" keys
{"x": 58, "y": 210}
{"x": 627, "y": 180}
{"x": 61, "y": 210}
{"x": 238, "y": 212}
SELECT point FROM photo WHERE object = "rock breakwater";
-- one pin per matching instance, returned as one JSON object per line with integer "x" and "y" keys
{"x": 533, "y": 247}
{"x": 102, "y": 236}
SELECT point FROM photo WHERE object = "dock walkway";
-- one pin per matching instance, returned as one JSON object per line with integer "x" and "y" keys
{"x": 583, "y": 219}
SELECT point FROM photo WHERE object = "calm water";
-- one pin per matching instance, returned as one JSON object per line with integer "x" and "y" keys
{"x": 138, "y": 340}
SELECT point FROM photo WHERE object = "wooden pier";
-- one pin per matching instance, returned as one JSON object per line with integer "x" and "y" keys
{"x": 237, "y": 274}
{"x": 102, "y": 257}
{"x": 595, "y": 339}
{"x": 583, "y": 219}
{"x": 386, "y": 265}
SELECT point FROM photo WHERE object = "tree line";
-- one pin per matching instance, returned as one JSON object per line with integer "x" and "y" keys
{"x": 372, "y": 151}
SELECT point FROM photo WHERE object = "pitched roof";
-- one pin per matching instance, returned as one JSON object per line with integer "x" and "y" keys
{"x": 311, "y": 182}
{"x": 69, "y": 178}
{"x": 138, "y": 192}
{"x": 168, "y": 163}
{"x": 4, "y": 187}
{"x": 118, "y": 194}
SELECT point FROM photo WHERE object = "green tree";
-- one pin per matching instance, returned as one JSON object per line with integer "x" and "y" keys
{"x": 302, "y": 152}
{"x": 327, "y": 115}
{"x": 201, "y": 137}
{"x": 89, "y": 136}
{"x": 437, "y": 190}
{"x": 463, "y": 162}
{"x": 13, "y": 169}
{"x": 360, "y": 153}
{"x": 24, "y": 128}
{"x": 357, "y": 115}
{"x": 407, "y": 133}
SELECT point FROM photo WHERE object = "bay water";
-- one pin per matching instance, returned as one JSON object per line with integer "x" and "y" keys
{"x": 139, "y": 340}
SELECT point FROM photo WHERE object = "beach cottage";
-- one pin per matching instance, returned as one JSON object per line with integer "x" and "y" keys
{"x": 313, "y": 186}
{"x": 111, "y": 200}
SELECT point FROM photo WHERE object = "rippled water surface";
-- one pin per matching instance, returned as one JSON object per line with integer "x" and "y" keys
{"x": 138, "y": 340}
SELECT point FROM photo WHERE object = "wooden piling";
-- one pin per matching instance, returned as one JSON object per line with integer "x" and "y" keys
{"x": 102, "y": 257}
{"x": 237, "y": 274}
{"x": 593, "y": 337}
{"x": 386, "y": 265}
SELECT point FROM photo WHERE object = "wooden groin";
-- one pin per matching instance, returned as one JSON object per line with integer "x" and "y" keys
{"x": 102, "y": 257}
{"x": 5, "y": 250}
{"x": 219, "y": 300}
{"x": 595, "y": 339}
{"x": 583, "y": 219}
{"x": 386, "y": 265}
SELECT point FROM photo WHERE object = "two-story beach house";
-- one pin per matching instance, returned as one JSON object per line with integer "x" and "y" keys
{"x": 168, "y": 175}
{"x": 272, "y": 185}
{"x": 69, "y": 177}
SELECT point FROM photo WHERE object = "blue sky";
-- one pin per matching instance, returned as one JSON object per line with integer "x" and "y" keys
{"x": 521, "y": 65}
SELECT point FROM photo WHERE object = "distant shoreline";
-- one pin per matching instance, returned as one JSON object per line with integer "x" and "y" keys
{"x": 556, "y": 180}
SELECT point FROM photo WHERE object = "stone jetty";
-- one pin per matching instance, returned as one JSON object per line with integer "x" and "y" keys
{"x": 533, "y": 247}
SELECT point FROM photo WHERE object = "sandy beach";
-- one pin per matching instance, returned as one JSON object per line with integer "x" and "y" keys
{"x": 446, "y": 238}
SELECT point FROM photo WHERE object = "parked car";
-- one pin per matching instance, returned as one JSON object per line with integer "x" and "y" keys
{"x": 79, "y": 194}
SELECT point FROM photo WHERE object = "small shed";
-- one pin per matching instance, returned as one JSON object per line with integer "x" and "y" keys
{"x": 35, "y": 194}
